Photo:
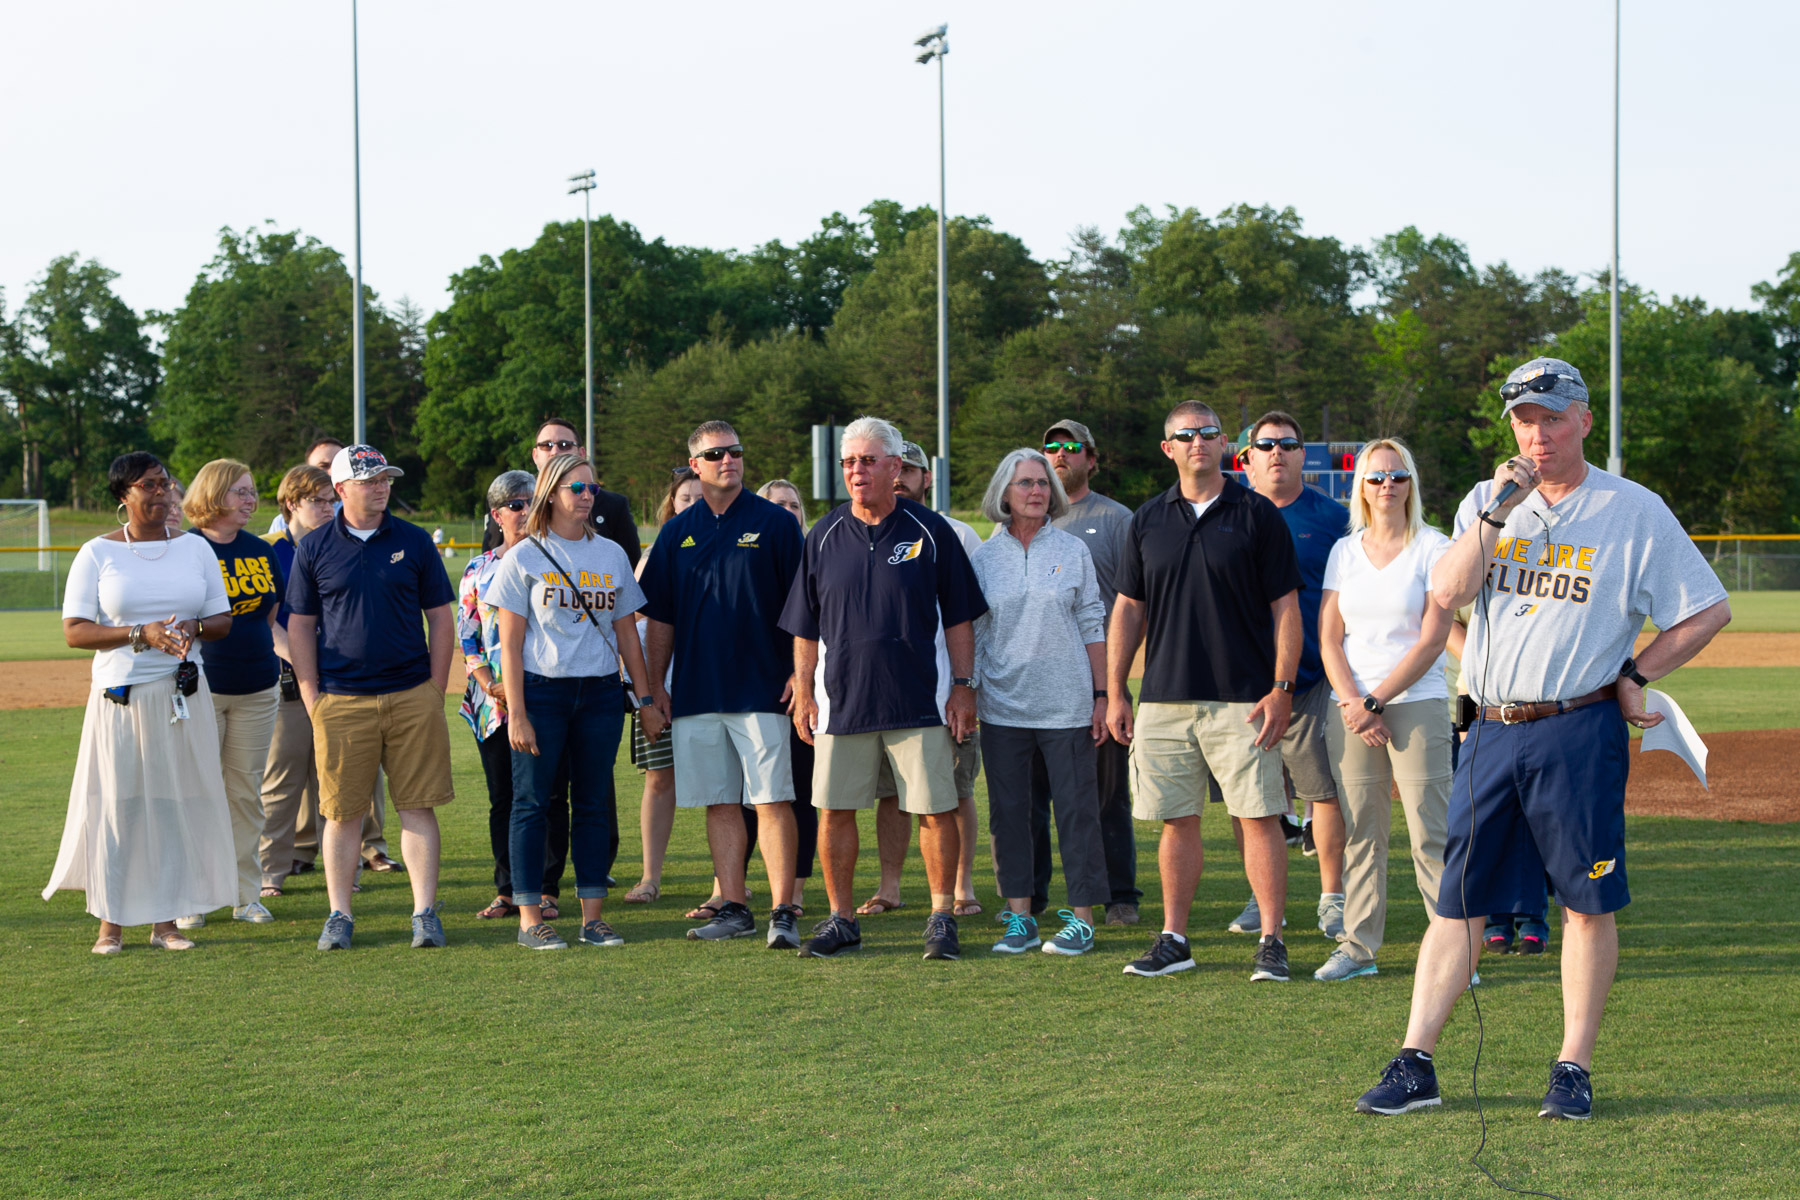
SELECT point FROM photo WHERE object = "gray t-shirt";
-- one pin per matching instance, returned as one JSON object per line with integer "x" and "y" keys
{"x": 1569, "y": 585}
{"x": 1100, "y": 522}
{"x": 560, "y": 642}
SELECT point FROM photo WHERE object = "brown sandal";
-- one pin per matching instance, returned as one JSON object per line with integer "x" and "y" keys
{"x": 547, "y": 906}
{"x": 501, "y": 907}
{"x": 874, "y": 906}
{"x": 270, "y": 891}
{"x": 644, "y": 893}
{"x": 704, "y": 912}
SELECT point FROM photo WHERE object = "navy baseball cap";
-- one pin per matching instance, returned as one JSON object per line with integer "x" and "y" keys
{"x": 1550, "y": 382}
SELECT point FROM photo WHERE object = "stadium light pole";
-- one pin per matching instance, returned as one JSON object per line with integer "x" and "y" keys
{"x": 358, "y": 422}
{"x": 935, "y": 45}
{"x": 584, "y": 183}
{"x": 1615, "y": 439}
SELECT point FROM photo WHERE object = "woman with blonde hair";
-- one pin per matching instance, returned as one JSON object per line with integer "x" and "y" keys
{"x": 242, "y": 669}
{"x": 1381, "y": 638}
{"x": 567, "y": 599}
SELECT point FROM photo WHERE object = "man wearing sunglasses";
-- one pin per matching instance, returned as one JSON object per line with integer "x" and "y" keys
{"x": 714, "y": 587}
{"x": 1208, "y": 571}
{"x": 1274, "y": 454}
{"x": 611, "y": 516}
{"x": 1562, "y": 574}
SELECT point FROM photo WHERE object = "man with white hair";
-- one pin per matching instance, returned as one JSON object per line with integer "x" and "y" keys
{"x": 884, "y": 655}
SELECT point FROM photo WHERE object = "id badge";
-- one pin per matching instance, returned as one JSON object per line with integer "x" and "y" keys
{"x": 178, "y": 702}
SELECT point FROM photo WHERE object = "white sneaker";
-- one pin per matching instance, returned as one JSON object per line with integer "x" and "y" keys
{"x": 191, "y": 921}
{"x": 1250, "y": 920}
{"x": 1331, "y": 915}
{"x": 253, "y": 912}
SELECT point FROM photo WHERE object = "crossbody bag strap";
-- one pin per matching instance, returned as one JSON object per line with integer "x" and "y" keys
{"x": 580, "y": 596}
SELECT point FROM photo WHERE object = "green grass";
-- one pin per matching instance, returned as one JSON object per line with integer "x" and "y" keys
{"x": 1765, "y": 612}
{"x": 258, "y": 1067}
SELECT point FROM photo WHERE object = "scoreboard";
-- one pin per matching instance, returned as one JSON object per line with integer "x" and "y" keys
{"x": 1329, "y": 466}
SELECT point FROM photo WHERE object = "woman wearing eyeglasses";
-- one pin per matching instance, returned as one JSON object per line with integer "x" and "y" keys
{"x": 147, "y": 836}
{"x": 242, "y": 671}
{"x": 567, "y": 598}
{"x": 484, "y": 699}
{"x": 1382, "y": 641}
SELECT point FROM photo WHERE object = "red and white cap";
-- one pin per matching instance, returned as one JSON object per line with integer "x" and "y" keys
{"x": 360, "y": 462}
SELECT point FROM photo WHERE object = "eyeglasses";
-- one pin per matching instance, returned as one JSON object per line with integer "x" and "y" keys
{"x": 1537, "y": 383}
{"x": 518, "y": 506}
{"x": 718, "y": 453}
{"x": 559, "y": 444}
{"x": 1031, "y": 485}
{"x": 1206, "y": 433}
{"x": 243, "y": 493}
{"x": 1281, "y": 443}
{"x": 865, "y": 460}
{"x": 580, "y": 489}
{"x": 1068, "y": 447}
{"x": 154, "y": 487}
{"x": 1380, "y": 477}
{"x": 318, "y": 502}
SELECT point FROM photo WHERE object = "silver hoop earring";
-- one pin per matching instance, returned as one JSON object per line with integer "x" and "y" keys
{"x": 124, "y": 517}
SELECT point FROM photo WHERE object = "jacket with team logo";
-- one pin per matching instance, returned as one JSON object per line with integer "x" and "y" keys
{"x": 877, "y": 599}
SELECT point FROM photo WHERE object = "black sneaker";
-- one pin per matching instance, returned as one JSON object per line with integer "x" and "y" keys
{"x": 1534, "y": 936}
{"x": 1291, "y": 830}
{"x": 1270, "y": 961}
{"x": 832, "y": 937}
{"x": 1571, "y": 1094}
{"x": 1408, "y": 1083}
{"x": 1307, "y": 846}
{"x": 784, "y": 928}
{"x": 1167, "y": 955}
{"x": 733, "y": 920}
{"x": 940, "y": 937}
{"x": 1498, "y": 936}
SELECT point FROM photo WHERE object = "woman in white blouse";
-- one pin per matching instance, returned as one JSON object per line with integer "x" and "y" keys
{"x": 1382, "y": 641}
{"x": 148, "y": 837}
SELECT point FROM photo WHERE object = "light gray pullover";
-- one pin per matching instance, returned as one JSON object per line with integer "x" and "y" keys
{"x": 1044, "y": 611}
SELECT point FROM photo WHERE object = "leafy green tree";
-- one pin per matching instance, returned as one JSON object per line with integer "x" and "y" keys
{"x": 79, "y": 377}
{"x": 1781, "y": 309}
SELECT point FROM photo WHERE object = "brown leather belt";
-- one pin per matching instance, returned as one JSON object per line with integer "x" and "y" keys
{"x": 1518, "y": 714}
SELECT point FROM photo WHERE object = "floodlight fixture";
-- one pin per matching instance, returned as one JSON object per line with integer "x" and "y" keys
{"x": 926, "y": 57}
{"x": 926, "y": 37}
{"x": 587, "y": 174}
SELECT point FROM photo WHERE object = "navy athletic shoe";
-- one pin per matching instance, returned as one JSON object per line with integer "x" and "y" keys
{"x": 1407, "y": 1084}
{"x": 1498, "y": 936}
{"x": 832, "y": 937}
{"x": 941, "y": 941}
{"x": 1166, "y": 956}
{"x": 1571, "y": 1094}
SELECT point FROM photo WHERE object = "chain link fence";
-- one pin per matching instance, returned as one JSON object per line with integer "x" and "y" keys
{"x": 1765, "y": 563}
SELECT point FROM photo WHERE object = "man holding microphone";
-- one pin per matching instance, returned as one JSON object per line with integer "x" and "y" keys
{"x": 1563, "y": 562}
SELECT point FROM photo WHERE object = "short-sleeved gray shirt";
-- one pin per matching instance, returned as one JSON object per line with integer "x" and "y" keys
{"x": 560, "y": 641}
{"x": 1100, "y": 522}
{"x": 1569, "y": 586}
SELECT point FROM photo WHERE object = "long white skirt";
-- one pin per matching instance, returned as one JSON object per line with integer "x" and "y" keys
{"x": 148, "y": 836}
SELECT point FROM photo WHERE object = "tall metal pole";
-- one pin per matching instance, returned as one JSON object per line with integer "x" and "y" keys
{"x": 1615, "y": 441}
{"x": 942, "y": 497}
{"x": 584, "y": 183}
{"x": 356, "y": 339}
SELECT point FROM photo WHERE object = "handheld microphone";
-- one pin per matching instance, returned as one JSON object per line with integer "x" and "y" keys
{"x": 1505, "y": 494}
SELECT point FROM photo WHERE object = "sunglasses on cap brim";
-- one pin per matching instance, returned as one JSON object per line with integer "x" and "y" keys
{"x": 1538, "y": 384}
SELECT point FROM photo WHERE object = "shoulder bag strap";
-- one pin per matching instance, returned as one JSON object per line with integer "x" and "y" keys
{"x": 580, "y": 596}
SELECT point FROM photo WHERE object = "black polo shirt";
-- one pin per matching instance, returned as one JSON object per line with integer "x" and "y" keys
{"x": 721, "y": 581}
{"x": 1207, "y": 586}
{"x": 369, "y": 597}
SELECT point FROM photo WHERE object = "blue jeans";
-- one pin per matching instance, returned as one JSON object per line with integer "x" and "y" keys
{"x": 580, "y": 720}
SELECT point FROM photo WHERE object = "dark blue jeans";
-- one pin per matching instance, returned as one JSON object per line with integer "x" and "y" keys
{"x": 578, "y": 720}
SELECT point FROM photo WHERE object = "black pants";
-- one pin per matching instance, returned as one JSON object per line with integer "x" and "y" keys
{"x": 806, "y": 817}
{"x": 1067, "y": 758}
{"x": 496, "y": 766}
{"x": 1118, "y": 840}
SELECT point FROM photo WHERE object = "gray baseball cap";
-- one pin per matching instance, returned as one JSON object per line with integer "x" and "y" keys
{"x": 1550, "y": 382}
{"x": 913, "y": 455}
{"x": 1082, "y": 434}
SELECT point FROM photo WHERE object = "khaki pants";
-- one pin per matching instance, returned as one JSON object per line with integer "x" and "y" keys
{"x": 246, "y": 725}
{"x": 1418, "y": 759}
{"x": 290, "y": 800}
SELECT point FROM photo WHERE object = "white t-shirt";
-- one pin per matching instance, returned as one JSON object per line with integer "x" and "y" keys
{"x": 560, "y": 641}
{"x": 1384, "y": 611}
{"x": 111, "y": 583}
{"x": 971, "y": 541}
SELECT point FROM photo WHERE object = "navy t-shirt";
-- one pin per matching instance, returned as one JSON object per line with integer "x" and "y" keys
{"x": 369, "y": 598}
{"x": 283, "y": 545}
{"x": 1316, "y": 522}
{"x": 721, "y": 581}
{"x": 877, "y": 599}
{"x": 244, "y": 661}
{"x": 1208, "y": 585}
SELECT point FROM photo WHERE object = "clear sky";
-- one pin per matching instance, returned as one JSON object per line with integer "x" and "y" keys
{"x": 134, "y": 131}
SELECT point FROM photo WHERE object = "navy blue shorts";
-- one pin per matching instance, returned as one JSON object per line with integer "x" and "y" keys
{"x": 1548, "y": 807}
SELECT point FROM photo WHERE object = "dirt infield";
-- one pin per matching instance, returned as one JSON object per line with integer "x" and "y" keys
{"x": 1755, "y": 776}
{"x": 63, "y": 683}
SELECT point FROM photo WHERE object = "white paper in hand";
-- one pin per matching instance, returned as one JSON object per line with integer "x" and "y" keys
{"x": 1675, "y": 734}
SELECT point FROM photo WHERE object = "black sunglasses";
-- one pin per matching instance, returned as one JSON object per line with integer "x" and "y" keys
{"x": 1381, "y": 477}
{"x": 1284, "y": 443}
{"x": 1069, "y": 447}
{"x": 718, "y": 453}
{"x": 1206, "y": 433}
{"x": 1538, "y": 383}
{"x": 559, "y": 444}
{"x": 516, "y": 505}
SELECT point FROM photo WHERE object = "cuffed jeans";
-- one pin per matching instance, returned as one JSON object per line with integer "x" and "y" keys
{"x": 1069, "y": 762}
{"x": 496, "y": 765}
{"x": 580, "y": 720}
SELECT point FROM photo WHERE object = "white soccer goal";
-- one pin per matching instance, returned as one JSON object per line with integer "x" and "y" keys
{"x": 24, "y": 524}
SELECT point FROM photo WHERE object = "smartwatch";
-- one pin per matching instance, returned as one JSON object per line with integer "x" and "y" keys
{"x": 1630, "y": 671}
{"x": 1099, "y": 693}
{"x": 646, "y": 701}
{"x": 1286, "y": 685}
{"x": 1370, "y": 704}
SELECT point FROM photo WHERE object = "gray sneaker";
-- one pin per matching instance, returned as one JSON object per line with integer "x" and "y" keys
{"x": 784, "y": 928}
{"x": 541, "y": 937}
{"x": 428, "y": 929}
{"x": 1075, "y": 937}
{"x": 1340, "y": 966}
{"x": 599, "y": 933}
{"x": 1331, "y": 915}
{"x": 336, "y": 935}
{"x": 731, "y": 921}
{"x": 1021, "y": 934}
{"x": 1122, "y": 913}
{"x": 1250, "y": 920}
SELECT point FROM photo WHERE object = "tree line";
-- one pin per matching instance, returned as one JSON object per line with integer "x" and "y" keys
{"x": 1243, "y": 310}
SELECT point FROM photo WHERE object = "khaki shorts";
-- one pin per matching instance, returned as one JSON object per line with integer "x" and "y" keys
{"x": 847, "y": 769}
{"x": 1177, "y": 748}
{"x": 968, "y": 766}
{"x": 403, "y": 733}
{"x": 1304, "y": 751}
{"x": 731, "y": 758}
